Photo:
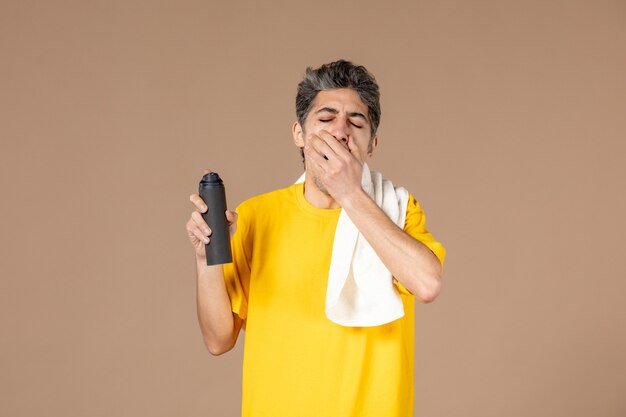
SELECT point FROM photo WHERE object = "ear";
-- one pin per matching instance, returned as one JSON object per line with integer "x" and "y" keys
{"x": 374, "y": 145}
{"x": 298, "y": 136}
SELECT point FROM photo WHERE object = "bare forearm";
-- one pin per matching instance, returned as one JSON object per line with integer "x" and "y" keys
{"x": 219, "y": 326}
{"x": 408, "y": 260}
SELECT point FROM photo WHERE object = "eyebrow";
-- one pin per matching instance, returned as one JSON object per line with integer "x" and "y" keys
{"x": 335, "y": 111}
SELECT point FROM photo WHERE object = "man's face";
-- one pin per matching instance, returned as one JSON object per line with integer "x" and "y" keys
{"x": 341, "y": 113}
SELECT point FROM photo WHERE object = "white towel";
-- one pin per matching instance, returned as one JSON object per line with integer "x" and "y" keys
{"x": 360, "y": 290}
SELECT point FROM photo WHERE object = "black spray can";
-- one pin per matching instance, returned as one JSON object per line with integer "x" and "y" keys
{"x": 212, "y": 192}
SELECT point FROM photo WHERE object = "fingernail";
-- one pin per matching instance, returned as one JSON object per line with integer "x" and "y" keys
{"x": 206, "y": 240}
{"x": 206, "y": 231}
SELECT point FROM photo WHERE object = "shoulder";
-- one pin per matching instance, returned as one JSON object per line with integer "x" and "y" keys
{"x": 414, "y": 213}
{"x": 412, "y": 204}
{"x": 268, "y": 201}
{"x": 415, "y": 225}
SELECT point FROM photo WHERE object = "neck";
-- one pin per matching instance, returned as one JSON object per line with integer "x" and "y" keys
{"x": 317, "y": 197}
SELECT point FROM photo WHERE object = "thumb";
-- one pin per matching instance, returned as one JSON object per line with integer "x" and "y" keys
{"x": 231, "y": 216}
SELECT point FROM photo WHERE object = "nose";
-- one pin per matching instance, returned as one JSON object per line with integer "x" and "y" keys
{"x": 340, "y": 131}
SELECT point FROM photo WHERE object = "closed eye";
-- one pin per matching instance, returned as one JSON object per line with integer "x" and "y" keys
{"x": 356, "y": 125}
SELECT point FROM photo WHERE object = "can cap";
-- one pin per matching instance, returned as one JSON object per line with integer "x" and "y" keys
{"x": 212, "y": 179}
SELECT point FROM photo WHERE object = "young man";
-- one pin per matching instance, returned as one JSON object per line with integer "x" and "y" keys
{"x": 297, "y": 361}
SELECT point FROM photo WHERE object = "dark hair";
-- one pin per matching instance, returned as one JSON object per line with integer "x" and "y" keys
{"x": 339, "y": 74}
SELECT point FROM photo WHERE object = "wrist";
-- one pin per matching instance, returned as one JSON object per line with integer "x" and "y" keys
{"x": 201, "y": 260}
{"x": 354, "y": 200}
{"x": 205, "y": 271}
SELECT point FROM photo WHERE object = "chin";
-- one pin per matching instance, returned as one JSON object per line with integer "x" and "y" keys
{"x": 320, "y": 186}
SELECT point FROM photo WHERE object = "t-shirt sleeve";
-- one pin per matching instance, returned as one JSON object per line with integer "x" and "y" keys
{"x": 237, "y": 273}
{"x": 415, "y": 225}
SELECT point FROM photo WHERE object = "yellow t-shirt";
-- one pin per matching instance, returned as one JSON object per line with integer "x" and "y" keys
{"x": 297, "y": 363}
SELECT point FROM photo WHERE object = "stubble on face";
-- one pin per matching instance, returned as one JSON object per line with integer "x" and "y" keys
{"x": 316, "y": 179}
{"x": 320, "y": 186}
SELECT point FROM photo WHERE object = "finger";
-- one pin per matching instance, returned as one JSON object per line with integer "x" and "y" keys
{"x": 206, "y": 171}
{"x": 354, "y": 149}
{"x": 319, "y": 146}
{"x": 316, "y": 159}
{"x": 198, "y": 202}
{"x": 231, "y": 216}
{"x": 310, "y": 150}
{"x": 322, "y": 147}
{"x": 339, "y": 147}
{"x": 201, "y": 224}
{"x": 330, "y": 160}
{"x": 195, "y": 233}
